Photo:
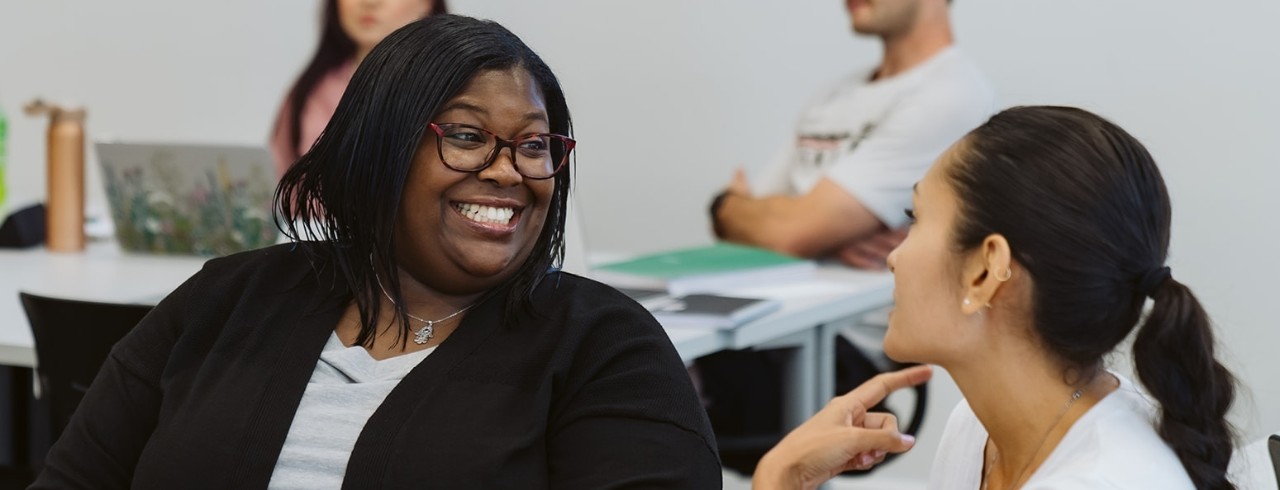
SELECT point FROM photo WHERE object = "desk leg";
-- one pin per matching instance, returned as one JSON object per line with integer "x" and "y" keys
{"x": 799, "y": 377}
{"x": 826, "y": 359}
{"x": 826, "y": 368}
{"x": 15, "y": 410}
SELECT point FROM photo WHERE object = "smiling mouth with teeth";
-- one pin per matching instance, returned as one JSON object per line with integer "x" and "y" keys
{"x": 485, "y": 214}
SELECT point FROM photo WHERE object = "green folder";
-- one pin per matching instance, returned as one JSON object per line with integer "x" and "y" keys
{"x": 704, "y": 269}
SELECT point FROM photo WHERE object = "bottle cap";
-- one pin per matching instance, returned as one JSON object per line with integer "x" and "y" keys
{"x": 39, "y": 107}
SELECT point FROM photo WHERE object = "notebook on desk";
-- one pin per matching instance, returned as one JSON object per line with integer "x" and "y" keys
{"x": 712, "y": 310}
{"x": 701, "y": 310}
{"x": 189, "y": 199}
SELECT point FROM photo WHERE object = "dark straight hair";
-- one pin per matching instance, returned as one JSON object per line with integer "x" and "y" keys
{"x": 346, "y": 191}
{"x": 1087, "y": 214}
{"x": 335, "y": 48}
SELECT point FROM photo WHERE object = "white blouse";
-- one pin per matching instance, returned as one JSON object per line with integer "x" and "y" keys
{"x": 1112, "y": 446}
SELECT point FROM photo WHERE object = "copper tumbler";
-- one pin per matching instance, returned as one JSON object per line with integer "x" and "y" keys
{"x": 64, "y": 230}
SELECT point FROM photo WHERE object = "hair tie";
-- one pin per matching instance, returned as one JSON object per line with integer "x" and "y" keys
{"x": 1152, "y": 280}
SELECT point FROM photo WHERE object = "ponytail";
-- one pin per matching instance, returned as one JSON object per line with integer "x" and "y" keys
{"x": 1085, "y": 211}
{"x": 1174, "y": 358}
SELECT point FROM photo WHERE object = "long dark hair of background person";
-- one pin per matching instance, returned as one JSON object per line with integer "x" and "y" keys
{"x": 335, "y": 48}
{"x": 1086, "y": 212}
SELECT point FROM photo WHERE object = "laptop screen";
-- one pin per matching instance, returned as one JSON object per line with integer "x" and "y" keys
{"x": 189, "y": 199}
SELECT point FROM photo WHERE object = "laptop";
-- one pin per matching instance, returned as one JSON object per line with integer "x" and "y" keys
{"x": 208, "y": 200}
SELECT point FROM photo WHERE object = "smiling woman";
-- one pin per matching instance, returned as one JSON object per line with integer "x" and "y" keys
{"x": 474, "y": 202}
{"x": 418, "y": 331}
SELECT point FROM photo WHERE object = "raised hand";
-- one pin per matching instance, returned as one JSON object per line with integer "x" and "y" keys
{"x": 841, "y": 437}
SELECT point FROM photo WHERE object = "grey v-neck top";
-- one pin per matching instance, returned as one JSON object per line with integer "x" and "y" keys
{"x": 346, "y": 387}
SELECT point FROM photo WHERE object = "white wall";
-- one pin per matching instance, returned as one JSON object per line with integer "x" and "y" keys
{"x": 151, "y": 70}
{"x": 670, "y": 95}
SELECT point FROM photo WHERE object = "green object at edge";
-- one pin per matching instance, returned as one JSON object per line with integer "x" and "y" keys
{"x": 718, "y": 258}
{"x": 4, "y": 148}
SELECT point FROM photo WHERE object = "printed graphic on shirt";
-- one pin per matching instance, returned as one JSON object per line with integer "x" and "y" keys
{"x": 819, "y": 151}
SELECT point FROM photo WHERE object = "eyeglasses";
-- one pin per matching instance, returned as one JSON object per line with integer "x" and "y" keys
{"x": 466, "y": 148}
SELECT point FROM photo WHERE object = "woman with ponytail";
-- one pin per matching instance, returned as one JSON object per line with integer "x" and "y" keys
{"x": 1035, "y": 243}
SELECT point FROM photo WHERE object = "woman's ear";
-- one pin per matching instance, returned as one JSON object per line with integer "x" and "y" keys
{"x": 986, "y": 269}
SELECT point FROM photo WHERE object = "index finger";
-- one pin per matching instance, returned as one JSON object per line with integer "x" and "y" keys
{"x": 887, "y": 240}
{"x": 739, "y": 184}
{"x": 854, "y": 256}
{"x": 878, "y": 388}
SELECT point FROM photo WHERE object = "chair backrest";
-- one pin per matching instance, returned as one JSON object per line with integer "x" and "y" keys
{"x": 1256, "y": 465}
{"x": 72, "y": 340}
{"x": 1273, "y": 447}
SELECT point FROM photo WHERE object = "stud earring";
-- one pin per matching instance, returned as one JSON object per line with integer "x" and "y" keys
{"x": 1008, "y": 274}
{"x": 967, "y": 302}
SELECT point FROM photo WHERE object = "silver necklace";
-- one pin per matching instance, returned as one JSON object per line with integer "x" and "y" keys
{"x": 428, "y": 330}
{"x": 992, "y": 464}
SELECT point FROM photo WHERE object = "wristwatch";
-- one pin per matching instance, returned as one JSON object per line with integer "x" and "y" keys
{"x": 716, "y": 203}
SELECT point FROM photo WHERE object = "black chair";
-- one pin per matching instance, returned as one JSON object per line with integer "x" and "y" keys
{"x": 1273, "y": 448}
{"x": 72, "y": 341}
{"x": 24, "y": 228}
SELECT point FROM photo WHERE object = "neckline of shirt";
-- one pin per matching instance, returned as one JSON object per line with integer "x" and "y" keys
{"x": 919, "y": 70}
{"x": 356, "y": 362}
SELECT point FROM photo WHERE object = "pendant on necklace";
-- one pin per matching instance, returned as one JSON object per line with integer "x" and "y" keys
{"x": 424, "y": 334}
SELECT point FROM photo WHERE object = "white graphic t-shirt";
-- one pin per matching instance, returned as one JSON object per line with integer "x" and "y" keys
{"x": 877, "y": 138}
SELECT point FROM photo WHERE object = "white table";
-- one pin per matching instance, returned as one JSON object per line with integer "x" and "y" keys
{"x": 102, "y": 273}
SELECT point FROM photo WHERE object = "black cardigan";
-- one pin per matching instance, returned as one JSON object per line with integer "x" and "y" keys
{"x": 590, "y": 394}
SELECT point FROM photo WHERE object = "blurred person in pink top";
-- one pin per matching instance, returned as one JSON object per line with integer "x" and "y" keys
{"x": 350, "y": 29}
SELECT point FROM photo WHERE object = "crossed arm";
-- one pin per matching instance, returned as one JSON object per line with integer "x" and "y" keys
{"x": 826, "y": 221}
